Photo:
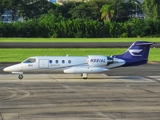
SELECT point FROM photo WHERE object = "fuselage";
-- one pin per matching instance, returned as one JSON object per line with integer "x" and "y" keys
{"x": 61, "y": 63}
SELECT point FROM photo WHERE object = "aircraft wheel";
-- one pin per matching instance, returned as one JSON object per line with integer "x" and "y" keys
{"x": 20, "y": 76}
{"x": 84, "y": 75}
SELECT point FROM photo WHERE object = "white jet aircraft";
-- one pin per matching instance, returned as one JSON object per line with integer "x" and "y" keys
{"x": 137, "y": 54}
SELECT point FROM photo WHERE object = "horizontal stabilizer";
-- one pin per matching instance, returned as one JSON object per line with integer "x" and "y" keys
{"x": 144, "y": 43}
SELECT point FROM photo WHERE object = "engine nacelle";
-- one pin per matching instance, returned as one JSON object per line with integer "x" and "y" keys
{"x": 96, "y": 60}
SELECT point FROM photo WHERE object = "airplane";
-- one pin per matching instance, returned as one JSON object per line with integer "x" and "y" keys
{"x": 136, "y": 54}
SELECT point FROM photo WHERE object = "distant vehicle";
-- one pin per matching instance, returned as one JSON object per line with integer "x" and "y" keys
{"x": 137, "y": 54}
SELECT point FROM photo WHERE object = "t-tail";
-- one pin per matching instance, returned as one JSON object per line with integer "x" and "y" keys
{"x": 137, "y": 54}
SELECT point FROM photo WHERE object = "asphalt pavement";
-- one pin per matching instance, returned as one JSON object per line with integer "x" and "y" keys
{"x": 68, "y": 45}
{"x": 68, "y": 97}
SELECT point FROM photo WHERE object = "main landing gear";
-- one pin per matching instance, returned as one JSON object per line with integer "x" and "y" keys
{"x": 84, "y": 75}
{"x": 20, "y": 76}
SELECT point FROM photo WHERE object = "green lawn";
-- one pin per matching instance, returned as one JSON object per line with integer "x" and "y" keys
{"x": 78, "y": 39}
{"x": 18, "y": 55}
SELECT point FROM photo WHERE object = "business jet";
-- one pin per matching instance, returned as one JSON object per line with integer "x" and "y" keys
{"x": 136, "y": 54}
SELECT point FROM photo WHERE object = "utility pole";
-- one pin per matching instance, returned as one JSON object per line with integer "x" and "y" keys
{"x": 136, "y": 9}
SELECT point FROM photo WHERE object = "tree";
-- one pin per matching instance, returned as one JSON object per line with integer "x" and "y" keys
{"x": 34, "y": 9}
{"x": 2, "y": 6}
{"x": 151, "y": 8}
{"x": 74, "y": 10}
{"x": 117, "y": 10}
{"x": 80, "y": 10}
{"x": 107, "y": 12}
{"x": 63, "y": 10}
{"x": 85, "y": 10}
{"x": 12, "y": 6}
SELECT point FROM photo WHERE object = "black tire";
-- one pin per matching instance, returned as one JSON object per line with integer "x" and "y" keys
{"x": 20, "y": 76}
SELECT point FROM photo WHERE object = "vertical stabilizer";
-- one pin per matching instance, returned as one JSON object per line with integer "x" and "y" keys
{"x": 137, "y": 53}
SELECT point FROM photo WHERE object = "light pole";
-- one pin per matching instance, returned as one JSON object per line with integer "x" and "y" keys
{"x": 136, "y": 9}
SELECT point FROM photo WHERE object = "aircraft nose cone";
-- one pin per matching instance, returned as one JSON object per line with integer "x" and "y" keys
{"x": 13, "y": 68}
{"x": 6, "y": 69}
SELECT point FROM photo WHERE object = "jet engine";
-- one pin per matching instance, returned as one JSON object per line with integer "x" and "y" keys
{"x": 96, "y": 60}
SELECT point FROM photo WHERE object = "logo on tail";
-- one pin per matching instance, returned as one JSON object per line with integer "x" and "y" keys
{"x": 133, "y": 52}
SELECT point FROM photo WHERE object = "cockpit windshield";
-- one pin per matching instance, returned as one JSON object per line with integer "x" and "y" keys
{"x": 30, "y": 60}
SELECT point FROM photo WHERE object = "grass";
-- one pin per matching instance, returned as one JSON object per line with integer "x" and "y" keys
{"x": 18, "y": 55}
{"x": 78, "y": 39}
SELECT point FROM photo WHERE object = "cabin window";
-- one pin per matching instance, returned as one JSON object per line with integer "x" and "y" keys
{"x": 57, "y": 61}
{"x": 30, "y": 60}
{"x": 63, "y": 61}
{"x": 50, "y": 61}
{"x": 69, "y": 61}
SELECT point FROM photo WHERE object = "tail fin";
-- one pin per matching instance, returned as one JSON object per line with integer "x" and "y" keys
{"x": 136, "y": 53}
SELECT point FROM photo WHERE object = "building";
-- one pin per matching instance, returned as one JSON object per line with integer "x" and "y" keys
{"x": 7, "y": 17}
{"x": 53, "y": 1}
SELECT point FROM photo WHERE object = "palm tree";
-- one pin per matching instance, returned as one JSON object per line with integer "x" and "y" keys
{"x": 107, "y": 12}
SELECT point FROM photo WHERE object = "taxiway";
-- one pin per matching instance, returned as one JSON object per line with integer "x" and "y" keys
{"x": 68, "y": 97}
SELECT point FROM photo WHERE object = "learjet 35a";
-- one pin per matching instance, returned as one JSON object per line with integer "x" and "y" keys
{"x": 137, "y": 54}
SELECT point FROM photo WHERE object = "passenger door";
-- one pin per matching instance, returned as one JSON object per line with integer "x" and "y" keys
{"x": 44, "y": 64}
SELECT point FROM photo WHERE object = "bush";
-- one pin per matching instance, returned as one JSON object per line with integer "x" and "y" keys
{"x": 58, "y": 27}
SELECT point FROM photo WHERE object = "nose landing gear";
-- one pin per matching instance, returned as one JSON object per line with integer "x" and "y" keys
{"x": 20, "y": 76}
